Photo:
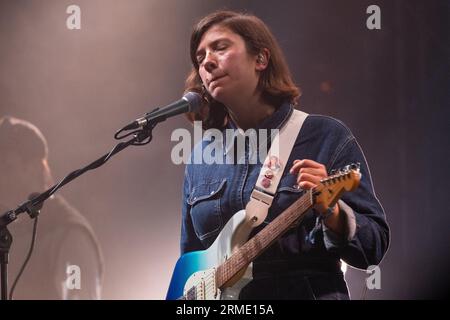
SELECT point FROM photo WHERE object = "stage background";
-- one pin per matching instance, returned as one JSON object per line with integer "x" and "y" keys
{"x": 390, "y": 86}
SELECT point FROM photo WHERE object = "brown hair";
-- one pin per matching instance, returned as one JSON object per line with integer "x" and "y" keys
{"x": 275, "y": 81}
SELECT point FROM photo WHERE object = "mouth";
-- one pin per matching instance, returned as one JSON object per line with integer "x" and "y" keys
{"x": 214, "y": 79}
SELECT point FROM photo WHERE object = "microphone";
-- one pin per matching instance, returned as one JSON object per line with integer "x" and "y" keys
{"x": 191, "y": 102}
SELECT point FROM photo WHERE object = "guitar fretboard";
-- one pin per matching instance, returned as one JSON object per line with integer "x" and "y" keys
{"x": 261, "y": 241}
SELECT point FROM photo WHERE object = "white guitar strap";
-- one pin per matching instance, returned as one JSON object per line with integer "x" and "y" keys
{"x": 272, "y": 169}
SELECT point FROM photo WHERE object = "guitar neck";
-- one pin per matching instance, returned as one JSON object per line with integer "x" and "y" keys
{"x": 261, "y": 241}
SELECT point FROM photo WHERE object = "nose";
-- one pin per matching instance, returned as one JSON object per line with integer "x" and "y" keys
{"x": 210, "y": 62}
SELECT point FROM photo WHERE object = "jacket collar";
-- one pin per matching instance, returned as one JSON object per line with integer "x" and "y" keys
{"x": 275, "y": 121}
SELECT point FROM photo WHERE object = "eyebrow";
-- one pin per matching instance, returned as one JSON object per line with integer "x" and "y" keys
{"x": 212, "y": 44}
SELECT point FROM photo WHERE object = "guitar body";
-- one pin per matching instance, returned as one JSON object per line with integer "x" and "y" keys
{"x": 197, "y": 269}
{"x": 202, "y": 275}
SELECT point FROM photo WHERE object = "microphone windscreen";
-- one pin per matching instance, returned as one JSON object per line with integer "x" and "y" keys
{"x": 195, "y": 101}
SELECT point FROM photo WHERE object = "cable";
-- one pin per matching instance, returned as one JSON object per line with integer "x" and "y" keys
{"x": 118, "y": 135}
{"x": 141, "y": 137}
{"x": 33, "y": 240}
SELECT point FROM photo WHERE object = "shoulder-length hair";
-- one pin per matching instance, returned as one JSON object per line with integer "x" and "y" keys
{"x": 275, "y": 82}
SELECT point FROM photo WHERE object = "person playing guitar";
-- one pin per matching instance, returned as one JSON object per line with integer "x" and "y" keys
{"x": 297, "y": 246}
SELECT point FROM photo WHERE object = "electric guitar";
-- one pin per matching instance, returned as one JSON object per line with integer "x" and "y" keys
{"x": 202, "y": 275}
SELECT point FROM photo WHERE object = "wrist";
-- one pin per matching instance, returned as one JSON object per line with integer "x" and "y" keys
{"x": 329, "y": 212}
{"x": 333, "y": 220}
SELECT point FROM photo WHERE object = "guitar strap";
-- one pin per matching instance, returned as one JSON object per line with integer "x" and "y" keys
{"x": 273, "y": 167}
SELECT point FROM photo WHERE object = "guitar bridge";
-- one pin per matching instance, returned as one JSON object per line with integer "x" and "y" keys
{"x": 202, "y": 286}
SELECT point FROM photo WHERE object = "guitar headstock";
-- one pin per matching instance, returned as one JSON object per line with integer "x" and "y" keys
{"x": 328, "y": 192}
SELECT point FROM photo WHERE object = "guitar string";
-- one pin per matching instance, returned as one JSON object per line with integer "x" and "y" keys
{"x": 236, "y": 262}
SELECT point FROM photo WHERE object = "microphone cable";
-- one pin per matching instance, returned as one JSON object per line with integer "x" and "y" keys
{"x": 27, "y": 259}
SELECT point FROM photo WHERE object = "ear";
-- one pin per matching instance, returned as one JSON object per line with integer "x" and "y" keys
{"x": 262, "y": 59}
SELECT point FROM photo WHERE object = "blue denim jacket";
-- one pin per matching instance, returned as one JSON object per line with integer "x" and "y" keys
{"x": 212, "y": 193}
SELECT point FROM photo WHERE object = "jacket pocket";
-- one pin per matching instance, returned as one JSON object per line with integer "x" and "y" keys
{"x": 205, "y": 208}
{"x": 289, "y": 185}
{"x": 287, "y": 193}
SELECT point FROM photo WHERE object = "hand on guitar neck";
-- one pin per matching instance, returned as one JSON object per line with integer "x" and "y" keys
{"x": 309, "y": 175}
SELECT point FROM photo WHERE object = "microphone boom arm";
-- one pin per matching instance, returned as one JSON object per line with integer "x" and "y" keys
{"x": 33, "y": 205}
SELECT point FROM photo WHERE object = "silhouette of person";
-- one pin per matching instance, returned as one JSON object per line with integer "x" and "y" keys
{"x": 67, "y": 261}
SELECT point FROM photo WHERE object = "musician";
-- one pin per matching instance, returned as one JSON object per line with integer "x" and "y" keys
{"x": 66, "y": 245}
{"x": 241, "y": 72}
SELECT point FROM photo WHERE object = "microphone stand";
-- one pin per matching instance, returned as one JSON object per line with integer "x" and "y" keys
{"x": 5, "y": 244}
{"x": 32, "y": 207}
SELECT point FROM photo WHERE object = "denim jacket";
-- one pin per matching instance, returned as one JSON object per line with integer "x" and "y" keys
{"x": 212, "y": 193}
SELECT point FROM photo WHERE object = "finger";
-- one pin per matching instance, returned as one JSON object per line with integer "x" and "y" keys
{"x": 305, "y": 163}
{"x": 306, "y": 185}
{"x": 296, "y": 167}
{"x": 320, "y": 172}
{"x": 311, "y": 163}
{"x": 306, "y": 177}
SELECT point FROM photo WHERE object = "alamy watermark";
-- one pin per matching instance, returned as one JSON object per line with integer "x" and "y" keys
{"x": 231, "y": 146}
{"x": 73, "y": 21}
{"x": 73, "y": 280}
{"x": 373, "y": 22}
{"x": 374, "y": 280}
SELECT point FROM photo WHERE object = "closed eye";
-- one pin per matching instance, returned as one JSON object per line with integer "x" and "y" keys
{"x": 221, "y": 47}
{"x": 218, "y": 45}
{"x": 200, "y": 58}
